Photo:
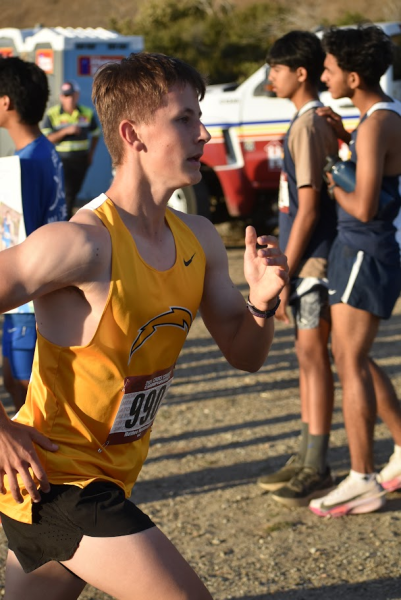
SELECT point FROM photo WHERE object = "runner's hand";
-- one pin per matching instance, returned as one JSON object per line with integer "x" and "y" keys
{"x": 335, "y": 121}
{"x": 18, "y": 454}
{"x": 266, "y": 269}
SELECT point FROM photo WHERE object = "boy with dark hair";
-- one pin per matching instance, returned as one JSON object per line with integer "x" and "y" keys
{"x": 364, "y": 264}
{"x": 24, "y": 92}
{"x": 365, "y": 50}
{"x": 116, "y": 290}
{"x": 307, "y": 227}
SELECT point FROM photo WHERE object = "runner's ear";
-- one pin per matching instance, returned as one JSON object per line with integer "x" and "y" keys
{"x": 129, "y": 135}
{"x": 302, "y": 74}
{"x": 354, "y": 80}
{"x": 6, "y": 103}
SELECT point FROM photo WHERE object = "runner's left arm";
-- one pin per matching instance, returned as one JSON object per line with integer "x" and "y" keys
{"x": 243, "y": 338}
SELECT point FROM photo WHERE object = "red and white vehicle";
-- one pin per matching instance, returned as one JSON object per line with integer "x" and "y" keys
{"x": 241, "y": 163}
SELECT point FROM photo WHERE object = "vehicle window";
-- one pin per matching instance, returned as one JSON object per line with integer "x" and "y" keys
{"x": 264, "y": 87}
{"x": 396, "y": 39}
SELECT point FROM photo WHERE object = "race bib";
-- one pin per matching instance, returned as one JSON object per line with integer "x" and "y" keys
{"x": 283, "y": 195}
{"x": 139, "y": 405}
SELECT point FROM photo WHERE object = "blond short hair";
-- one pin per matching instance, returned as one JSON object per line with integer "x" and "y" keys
{"x": 134, "y": 89}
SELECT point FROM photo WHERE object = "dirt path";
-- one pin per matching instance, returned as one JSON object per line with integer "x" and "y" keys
{"x": 219, "y": 430}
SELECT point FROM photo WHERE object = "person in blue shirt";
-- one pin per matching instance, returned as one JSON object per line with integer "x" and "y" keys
{"x": 24, "y": 92}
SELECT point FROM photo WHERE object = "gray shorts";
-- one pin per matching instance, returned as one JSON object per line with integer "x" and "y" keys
{"x": 309, "y": 302}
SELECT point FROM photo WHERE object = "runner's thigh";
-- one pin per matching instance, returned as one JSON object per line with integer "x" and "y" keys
{"x": 50, "y": 582}
{"x": 141, "y": 565}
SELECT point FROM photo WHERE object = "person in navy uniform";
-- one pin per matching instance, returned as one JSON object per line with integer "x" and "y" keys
{"x": 307, "y": 227}
{"x": 364, "y": 263}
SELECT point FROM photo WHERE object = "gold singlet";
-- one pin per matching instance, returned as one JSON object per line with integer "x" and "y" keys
{"x": 98, "y": 402}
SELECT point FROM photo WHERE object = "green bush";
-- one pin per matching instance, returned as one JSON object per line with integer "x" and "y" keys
{"x": 223, "y": 42}
{"x": 226, "y": 42}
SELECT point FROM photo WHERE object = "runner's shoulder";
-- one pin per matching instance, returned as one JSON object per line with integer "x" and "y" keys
{"x": 205, "y": 232}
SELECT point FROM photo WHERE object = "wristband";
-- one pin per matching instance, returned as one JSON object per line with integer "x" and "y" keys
{"x": 262, "y": 314}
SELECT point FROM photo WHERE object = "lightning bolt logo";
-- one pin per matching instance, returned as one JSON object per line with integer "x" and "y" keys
{"x": 177, "y": 316}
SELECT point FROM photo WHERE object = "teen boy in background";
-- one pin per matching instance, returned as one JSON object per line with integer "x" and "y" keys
{"x": 364, "y": 264}
{"x": 307, "y": 226}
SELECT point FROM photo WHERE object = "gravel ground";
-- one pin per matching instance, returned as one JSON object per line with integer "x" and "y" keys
{"x": 218, "y": 431}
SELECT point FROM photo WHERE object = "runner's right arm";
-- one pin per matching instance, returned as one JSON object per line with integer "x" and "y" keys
{"x": 53, "y": 257}
{"x": 335, "y": 121}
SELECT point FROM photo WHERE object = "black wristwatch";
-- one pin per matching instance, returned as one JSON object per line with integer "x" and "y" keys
{"x": 263, "y": 314}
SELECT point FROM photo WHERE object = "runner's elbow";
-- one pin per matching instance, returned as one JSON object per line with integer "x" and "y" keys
{"x": 247, "y": 363}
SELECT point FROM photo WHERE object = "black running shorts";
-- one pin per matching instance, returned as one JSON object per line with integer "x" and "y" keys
{"x": 65, "y": 515}
{"x": 361, "y": 281}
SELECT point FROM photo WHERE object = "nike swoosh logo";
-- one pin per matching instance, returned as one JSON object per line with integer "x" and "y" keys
{"x": 188, "y": 262}
{"x": 331, "y": 292}
{"x": 364, "y": 496}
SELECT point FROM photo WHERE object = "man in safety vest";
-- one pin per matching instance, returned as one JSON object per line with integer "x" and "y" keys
{"x": 75, "y": 132}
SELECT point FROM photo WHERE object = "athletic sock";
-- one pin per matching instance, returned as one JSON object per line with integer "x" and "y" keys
{"x": 303, "y": 446}
{"x": 362, "y": 476}
{"x": 317, "y": 452}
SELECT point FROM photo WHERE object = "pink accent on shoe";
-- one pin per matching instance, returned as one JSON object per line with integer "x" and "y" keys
{"x": 392, "y": 484}
{"x": 351, "y": 508}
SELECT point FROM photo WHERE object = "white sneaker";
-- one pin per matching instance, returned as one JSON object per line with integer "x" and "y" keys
{"x": 390, "y": 476}
{"x": 353, "y": 496}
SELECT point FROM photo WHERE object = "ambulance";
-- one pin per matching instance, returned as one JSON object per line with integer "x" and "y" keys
{"x": 241, "y": 163}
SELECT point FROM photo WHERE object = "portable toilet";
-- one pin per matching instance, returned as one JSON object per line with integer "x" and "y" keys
{"x": 66, "y": 54}
{"x": 12, "y": 41}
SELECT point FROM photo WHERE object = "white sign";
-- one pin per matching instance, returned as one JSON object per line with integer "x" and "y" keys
{"x": 12, "y": 225}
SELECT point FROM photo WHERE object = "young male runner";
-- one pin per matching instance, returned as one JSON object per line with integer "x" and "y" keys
{"x": 116, "y": 290}
{"x": 24, "y": 92}
{"x": 307, "y": 224}
{"x": 364, "y": 263}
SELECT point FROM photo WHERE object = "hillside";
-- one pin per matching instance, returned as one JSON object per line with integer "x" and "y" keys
{"x": 75, "y": 13}
{"x": 99, "y": 13}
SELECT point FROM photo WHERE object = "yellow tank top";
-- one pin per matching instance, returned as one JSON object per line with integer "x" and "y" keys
{"x": 98, "y": 402}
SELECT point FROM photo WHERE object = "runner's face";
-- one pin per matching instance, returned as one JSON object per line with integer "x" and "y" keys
{"x": 335, "y": 78}
{"x": 174, "y": 140}
{"x": 284, "y": 81}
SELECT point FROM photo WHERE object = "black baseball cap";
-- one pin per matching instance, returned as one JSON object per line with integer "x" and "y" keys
{"x": 69, "y": 88}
